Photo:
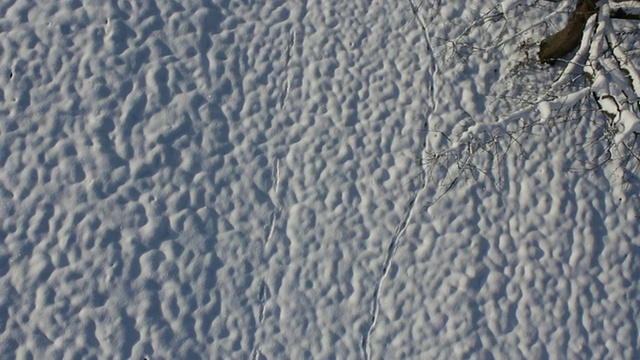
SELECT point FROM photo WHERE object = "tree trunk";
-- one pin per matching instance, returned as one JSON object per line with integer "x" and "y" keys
{"x": 566, "y": 40}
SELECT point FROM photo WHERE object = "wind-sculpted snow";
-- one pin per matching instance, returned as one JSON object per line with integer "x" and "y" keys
{"x": 244, "y": 180}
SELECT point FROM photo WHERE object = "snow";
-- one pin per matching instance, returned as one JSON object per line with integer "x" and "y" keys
{"x": 233, "y": 179}
{"x": 630, "y": 127}
{"x": 508, "y": 5}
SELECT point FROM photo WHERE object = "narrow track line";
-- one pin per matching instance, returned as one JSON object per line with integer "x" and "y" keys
{"x": 411, "y": 205}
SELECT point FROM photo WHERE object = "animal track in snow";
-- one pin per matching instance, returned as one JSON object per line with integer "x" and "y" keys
{"x": 415, "y": 197}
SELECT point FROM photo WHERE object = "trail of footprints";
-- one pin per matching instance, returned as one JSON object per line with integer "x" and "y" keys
{"x": 287, "y": 82}
{"x": 274, "y": 215}
{"x": 264, "y": 293}
{"x": 413, "y": 200}
{"x": 393, "y": 245}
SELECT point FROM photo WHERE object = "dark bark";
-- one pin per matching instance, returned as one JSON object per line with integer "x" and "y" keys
{"x": 620, "y": 14}
{"x": 566, "y": 40}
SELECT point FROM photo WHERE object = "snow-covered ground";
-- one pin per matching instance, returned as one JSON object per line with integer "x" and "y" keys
{"x": 228, "y": 179}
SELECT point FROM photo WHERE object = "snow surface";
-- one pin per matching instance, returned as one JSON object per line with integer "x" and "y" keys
{"x": 227, "y": 179}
